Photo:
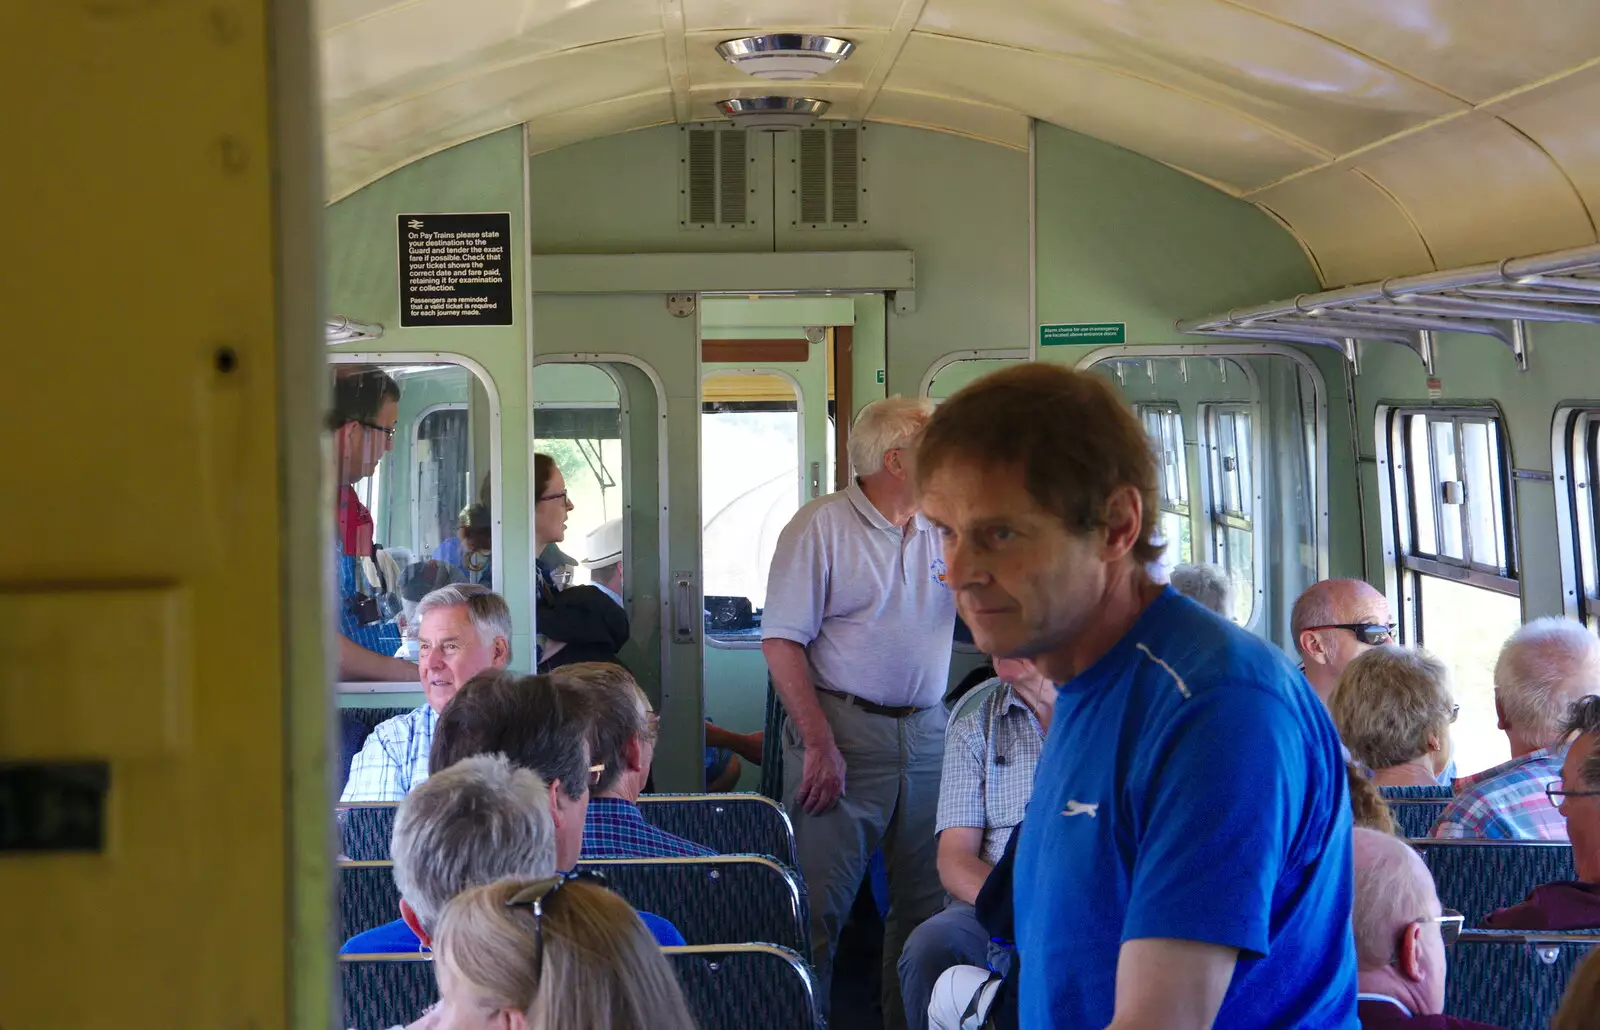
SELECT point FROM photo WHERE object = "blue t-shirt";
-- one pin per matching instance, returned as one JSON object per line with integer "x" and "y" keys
{"x": 1191, "y": 787}
{"x": 396, "y": 938}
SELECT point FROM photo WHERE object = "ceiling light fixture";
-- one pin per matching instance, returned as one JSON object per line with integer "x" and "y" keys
{"x": 785, "y": 56}
{"x": 773, "y": 113}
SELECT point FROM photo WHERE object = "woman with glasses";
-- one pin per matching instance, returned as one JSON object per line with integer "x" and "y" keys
{"x": 552, "y": 954}
{"x": 575, "y": 624}
{"x": 1393, "y": 708}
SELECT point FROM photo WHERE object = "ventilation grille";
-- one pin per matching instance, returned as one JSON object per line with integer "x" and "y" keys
{"x": 830, "y": 191}
{"x": 715, "y": 186}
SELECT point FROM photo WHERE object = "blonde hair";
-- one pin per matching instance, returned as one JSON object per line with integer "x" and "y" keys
{"x": 601, "y": 967}
{"x": 1389, "y": 699}
{"x": 1367, "y": 805}
{"x": 1582, "y": 999}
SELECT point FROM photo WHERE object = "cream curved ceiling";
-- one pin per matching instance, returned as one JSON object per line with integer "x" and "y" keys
{"x": 1390, "y": 136}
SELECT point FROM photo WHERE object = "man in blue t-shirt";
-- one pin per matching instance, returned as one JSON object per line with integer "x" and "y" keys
{"x": 1185, "y": 859}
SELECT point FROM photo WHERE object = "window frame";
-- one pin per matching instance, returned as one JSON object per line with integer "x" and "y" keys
{"x": 1169, "y": 415}
{"x": 415, "y": 472}
{"x": 1219, "y": 518}
{"x": 1575, "y": 468}
{"x": 1402, "y": 555}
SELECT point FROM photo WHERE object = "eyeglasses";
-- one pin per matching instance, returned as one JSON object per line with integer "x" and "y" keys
{"x": 595, "y": 772}
{"x": 1366, "y": 632}
{"x": 562, "y": 496}
{"x": 387, "y": 431}
{"x": 1455, "y": 711}
{"x": 1450, "y": 923}
{"x": 1557, "y": 795}
{"x": 540, "y": 893}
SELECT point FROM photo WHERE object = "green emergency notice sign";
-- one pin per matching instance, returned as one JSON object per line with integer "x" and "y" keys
{"x": 1082, "y": 332}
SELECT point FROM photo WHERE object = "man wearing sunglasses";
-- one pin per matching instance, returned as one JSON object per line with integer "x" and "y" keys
{"x": 1574, "y": 904}
{"x": 1332, "y": 622}
{"x": 1401, "y": 935}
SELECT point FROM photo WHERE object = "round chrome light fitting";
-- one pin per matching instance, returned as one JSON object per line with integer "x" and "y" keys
{"x": 785, "y": 56}
{"x": 773, "y": 113}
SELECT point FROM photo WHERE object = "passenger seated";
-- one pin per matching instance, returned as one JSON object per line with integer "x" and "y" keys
{"x": 464, "y": 630}
{"x": 471, "y": 549}
{"x": 478, "y": 821}
{"x": 989, "y": 758}
{"x": 539, "y": 724}
{"x": 1543, "y": 668}
{"x": 625, "y": 744}
{"x": 560, "y": 953}
{"x": 1393, "y": 709}
{"x": 1206, "y": 585}
{"x": 1401, "y": 935}
{"x": 1332, "y": 622}
{"x": 1572, "y": 904}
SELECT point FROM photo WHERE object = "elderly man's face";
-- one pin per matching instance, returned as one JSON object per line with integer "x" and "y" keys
{"x": 450, "y": 651}
{"x": 1364, "y": 605}
{"x": 1582, "y": 812}
{"x": 1024, "y": 585}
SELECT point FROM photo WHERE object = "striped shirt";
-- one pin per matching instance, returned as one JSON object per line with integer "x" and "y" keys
{"x": 394, "y": 758}
{"x": 1507, "y": 802}
{"x": 614, "y": 828}
{"x": 989, "y": 757}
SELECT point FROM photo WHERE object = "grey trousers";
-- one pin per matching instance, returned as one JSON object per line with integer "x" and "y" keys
{"x": 954, "y": 937}
{"x": 891, "y": 797}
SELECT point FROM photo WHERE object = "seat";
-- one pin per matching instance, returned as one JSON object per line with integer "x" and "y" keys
{"x": 1512, "y": 979}
{"x": 772, "y": 745}
{"x": 383, "y": 991}
{"x": 368, "y": 897}
{"x": 729, "y": 824}
{"x": 735, "y": 987}
{"x": 1476, "y": 877}
{"x": 1414, "y": 817}
{"x": 365, "y": 829}
{"x": 730, "y": 899}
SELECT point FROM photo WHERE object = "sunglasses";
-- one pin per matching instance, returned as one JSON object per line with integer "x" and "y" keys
{"x": 1366, "y": 632}
{"x": 539, "y": 894}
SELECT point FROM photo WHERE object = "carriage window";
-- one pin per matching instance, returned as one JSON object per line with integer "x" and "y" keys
{"x": 1456, "y": 558}
{"x": 585, "y": 439}
{"x": 1164, "y": 425}
{"x": 1228, "y": 430}
{"x": 423, "y": 501}
{"x": 1577, "y": 467}
{"x": 749, "y": 490}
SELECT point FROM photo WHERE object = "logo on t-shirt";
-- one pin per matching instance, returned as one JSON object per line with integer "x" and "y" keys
{"x": 939, "y": 573}
{"x": 1081, "y": 808}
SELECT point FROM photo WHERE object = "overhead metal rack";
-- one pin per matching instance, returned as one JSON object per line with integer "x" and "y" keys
{"x": 1495, "y": 300}
{"x": 344, "y": 329}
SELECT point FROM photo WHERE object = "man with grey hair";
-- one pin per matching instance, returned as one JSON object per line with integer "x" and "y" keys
{"x": 1206, "y": 585}
{"x": 1570, "y": 904}
{"x": 476, "y": 822}
{"x": 1332, "y": 622}
{"x": 1543, "y": 668}
{"x": 465, "y": 629}
{"x": 1401, "y": 934}
{"x": 857, "y": 634}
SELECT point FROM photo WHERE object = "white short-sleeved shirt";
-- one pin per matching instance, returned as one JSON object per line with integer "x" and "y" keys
{"x": 867, "y": 599}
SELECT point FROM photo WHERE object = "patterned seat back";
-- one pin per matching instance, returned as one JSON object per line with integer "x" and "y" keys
{"x": 1414, "y": 817}
{"x": 747, "y": 985}
{"x": 731, "y": 899}
{"x": 1512, "y": 979}
{"x": 384, "y": 991}
{"x": 772, "y": 746}
{"x": 729, "y": 824}
{"x": 1475, "y": 877}
{"x": 368, "y": 897}
{"x": 365, "y": 830}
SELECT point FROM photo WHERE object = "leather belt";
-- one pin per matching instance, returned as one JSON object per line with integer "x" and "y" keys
{"x": 872, "y": 707}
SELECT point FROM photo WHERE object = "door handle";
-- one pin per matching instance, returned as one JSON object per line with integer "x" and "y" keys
{"x": 816, "y": 479}
{"x": 684, "y": 608}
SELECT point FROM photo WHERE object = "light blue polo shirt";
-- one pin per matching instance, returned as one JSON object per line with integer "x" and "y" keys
{"x": 867, "y": 600}
{"x": 1191, "y": 787}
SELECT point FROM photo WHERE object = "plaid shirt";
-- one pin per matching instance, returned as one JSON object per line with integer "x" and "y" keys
{"x": 1507, "y": 802}
{"x": 989, "y": 757}
{"x": 394, "y": 759}
{"x": 615, "y": 829}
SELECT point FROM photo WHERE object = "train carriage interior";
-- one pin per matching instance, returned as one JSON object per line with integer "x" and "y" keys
{"x": 1341, "y": 261}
